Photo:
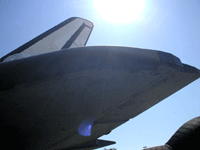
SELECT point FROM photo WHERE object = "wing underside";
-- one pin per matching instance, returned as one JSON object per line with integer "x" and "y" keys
{"x": 72, "y": 97}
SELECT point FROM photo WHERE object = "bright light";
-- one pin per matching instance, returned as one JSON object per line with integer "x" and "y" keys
{"x": 85, "y": 127}
{"x": 119, "y": 11}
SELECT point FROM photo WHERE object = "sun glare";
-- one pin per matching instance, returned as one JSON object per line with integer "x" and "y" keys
{"x": 119, "y": 11}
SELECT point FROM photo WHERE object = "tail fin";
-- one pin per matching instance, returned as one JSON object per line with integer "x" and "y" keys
{"x": 73, "y": 32}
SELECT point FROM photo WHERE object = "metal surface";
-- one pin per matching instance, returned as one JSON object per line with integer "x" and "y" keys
{"x": 46, "y": 98}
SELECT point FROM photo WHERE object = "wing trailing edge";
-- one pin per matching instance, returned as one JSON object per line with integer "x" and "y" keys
{"x": 92, "y": 145}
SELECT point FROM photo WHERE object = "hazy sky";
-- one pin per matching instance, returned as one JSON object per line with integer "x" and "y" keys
{"x": 171, "y": 26}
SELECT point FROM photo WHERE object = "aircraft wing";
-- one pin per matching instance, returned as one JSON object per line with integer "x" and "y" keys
{"x": 69, "y": 98}
{"x": 155, "y": 76}
{"x": 73, "y": 32}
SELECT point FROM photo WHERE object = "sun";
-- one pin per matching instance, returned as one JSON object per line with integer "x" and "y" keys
{"x": 119, "y": 11}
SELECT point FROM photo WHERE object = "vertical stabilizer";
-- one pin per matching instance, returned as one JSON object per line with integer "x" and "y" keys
{"x": 73, "y": 32}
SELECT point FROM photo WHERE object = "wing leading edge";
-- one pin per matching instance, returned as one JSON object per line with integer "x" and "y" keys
{"x": 73, "y": 32}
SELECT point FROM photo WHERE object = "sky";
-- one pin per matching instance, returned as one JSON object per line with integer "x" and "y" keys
{"x": 171, "y": 26}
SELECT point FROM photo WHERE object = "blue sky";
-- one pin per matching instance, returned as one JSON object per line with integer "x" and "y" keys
{"x": 171, "y": 26}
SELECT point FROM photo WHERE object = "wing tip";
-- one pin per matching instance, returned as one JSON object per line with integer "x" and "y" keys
{"x": 176, "y": 62}
{"x": 169, "y": 58}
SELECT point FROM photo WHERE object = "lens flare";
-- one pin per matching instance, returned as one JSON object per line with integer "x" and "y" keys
{"x": 86, "y": 127}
